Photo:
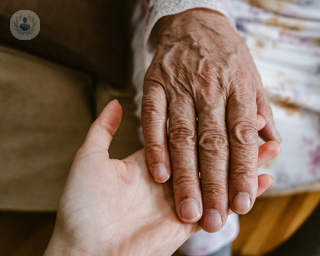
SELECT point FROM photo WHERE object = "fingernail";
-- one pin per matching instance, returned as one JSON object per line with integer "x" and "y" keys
{"x": 189, "y": 210}
{"x": 241, "y": 203}
{"x": 212, "y": 221}
{"x": 160, "y": 173}
{"x": 278, "y": 135}
{"x": 273, "y": 180}
{"x": 116, "y": 100}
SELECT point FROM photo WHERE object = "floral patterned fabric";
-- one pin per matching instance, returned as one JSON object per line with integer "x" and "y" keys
{"x": 284, "y": 39}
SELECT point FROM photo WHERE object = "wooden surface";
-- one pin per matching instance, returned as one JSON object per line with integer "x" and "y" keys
{"x": 271, "y": 221}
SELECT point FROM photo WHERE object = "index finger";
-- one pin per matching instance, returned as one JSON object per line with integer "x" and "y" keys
{"x": 154, "y": 125}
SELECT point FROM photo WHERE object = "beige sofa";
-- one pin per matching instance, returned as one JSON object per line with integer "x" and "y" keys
{"x": 53, "y": 87}
{"x": 45, "y": 112}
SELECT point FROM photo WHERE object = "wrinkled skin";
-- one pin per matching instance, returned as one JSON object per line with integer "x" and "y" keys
{"x": 203, "y": 79}
{"x": 114, "y": 207}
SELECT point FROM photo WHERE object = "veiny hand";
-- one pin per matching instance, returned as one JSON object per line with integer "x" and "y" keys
{"x": 112, "y": 207}
{"x": 203, "y": 79}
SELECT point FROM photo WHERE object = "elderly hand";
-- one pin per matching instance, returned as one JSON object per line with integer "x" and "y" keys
{"x": 113, "y": 207}
{"x": 203, "y": 79}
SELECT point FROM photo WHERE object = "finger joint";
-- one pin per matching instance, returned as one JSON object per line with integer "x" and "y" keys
{"x": 243, "y": 176}
{"x": 211, "y": 141}
{"x": 216, "y": 190}
{"x": 182, "y": 134}
{"x": 245, "y": 133}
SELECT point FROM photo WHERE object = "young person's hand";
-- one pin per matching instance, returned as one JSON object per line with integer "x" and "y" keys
{"x": 113, "y": 207}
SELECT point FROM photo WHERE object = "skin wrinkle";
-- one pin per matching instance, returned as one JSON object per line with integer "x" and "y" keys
{"x": 245, "y": 177}
{"x": 210, "y": 141}
{"x": 185, "y": 179}
{"x": 237, "y": 102}
{"x": 187, "y": 39}
{"x": 206, "y": 71}
{"x": 245, "y": 161}
{"x": 220, "y": 160}
{"x": 184, "y": 135}
{"x": 157, "y": 123}
{"x": 201, "y": 64}
{"x": 216, "y": 189}
{"x": 245, "y": 134}
{"x": 179, "y": 86}
{"x": 151, "y": 108}
{"x": 156, "y": 148}
{"x": 213, "y": 31}
{"x": 241, "y": 81}
{"x": 157, "y": 79}
{"x": 209, "y": 106}
{"x": 184, "y": 77}
{"x": 181, "y": 71}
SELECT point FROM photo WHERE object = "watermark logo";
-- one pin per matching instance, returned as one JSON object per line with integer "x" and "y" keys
{"x": 25, "y": 25}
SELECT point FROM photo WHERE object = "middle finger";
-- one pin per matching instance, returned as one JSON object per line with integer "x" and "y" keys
{"x": 183, "y": 151}
{"x": 214, "y": 158}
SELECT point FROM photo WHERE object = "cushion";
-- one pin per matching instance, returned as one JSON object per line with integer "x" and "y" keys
{"x": 91, "y": 35}
{"x": 45, "y": 113}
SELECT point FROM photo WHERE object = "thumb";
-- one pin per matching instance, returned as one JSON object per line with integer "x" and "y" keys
{"x": 105, "y": 126}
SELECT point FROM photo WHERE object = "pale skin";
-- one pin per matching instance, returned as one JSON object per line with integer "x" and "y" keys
{"x": 203, "y": 79}
{"x": 114, "y": 207}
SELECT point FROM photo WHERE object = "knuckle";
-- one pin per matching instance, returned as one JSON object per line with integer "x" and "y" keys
{"x": 155, "y": 149}
{"x": 182, "y": 134}
{"x": 153, "y": 75}
{"x": 245, "y": 133}
{"x": 241, "y": 75}
{"x": 212, "y": 141}
{"x": 184, "y": 181}
{"x": 216, "y": 190}
{"x": 242, "y": 83}
{"x": 243, "y": 176}
{"x": 104, "y": 125}
{"x": 151, "y": 109}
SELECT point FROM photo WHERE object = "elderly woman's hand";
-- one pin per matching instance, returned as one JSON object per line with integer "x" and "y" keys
{"x": 203, "y": 79}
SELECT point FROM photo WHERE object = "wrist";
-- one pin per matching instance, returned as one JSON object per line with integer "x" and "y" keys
{"x": 61, "y": 244}
{"x": 178, "y": 25}
{"x": 58, "y": 246}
